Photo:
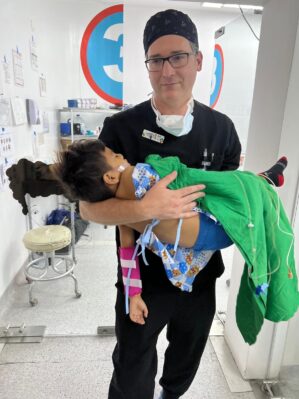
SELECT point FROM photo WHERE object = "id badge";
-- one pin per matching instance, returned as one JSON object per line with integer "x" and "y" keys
{"x": 158, "y": 138}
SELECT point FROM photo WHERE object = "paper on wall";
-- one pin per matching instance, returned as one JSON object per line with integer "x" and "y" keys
{"x": 1, "y": 84}
{"x": 7, "y": 147}
{"x": 17, "y": 60}
{"x": 7, "y": 156}
{"x": 42, "y": 86}
{"x": 5, "y": 163}
{"x": 33, "y": 112}
{"x": 18, "y": 110}
{"x": 5, "y": 112}
{"x": 6, "y": 71}
{"x": 34, "y": 145}
{"x": 33, "y": 54}
{"x": 45, "y": 121}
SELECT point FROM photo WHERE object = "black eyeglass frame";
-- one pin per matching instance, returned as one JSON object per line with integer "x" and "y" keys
{"x": 169, "y": 61}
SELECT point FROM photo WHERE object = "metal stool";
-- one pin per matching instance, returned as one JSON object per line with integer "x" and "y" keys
{"x": 50, "y": 266}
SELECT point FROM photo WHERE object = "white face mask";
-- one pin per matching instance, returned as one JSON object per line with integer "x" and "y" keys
{"x": 177, "y": 125}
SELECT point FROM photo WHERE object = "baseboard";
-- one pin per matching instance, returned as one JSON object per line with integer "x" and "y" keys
{"x": 17, "y": 280}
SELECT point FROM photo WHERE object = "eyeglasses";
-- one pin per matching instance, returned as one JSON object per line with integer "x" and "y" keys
{"x": 176, "y": 61}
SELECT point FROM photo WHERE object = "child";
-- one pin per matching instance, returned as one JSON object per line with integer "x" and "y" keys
{"x": 90, "y": 171}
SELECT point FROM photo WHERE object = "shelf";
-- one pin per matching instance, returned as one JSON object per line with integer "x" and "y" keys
{"x": 93, "y": 119}
{"x": 78, "y": 137}
{"x": 89, "y": 110}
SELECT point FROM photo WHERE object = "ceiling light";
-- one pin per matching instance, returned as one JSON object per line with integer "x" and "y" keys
{"x": 231, "y": 5}
{"x": 212, "y": 5}
{"x": 243, "y": 6}
{"x": 248, "y": 7}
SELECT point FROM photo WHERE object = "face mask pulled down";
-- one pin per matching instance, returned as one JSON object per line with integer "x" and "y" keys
{"x": 177, "y": 125}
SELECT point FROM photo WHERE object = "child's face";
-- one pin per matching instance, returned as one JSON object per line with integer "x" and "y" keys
{"x": 115, "y": 160}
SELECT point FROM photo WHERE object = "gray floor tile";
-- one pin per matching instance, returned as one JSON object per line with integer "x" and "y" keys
{"x": 58, "y": 308}
{"x": 81, "y": 367}
{"x": 76, "y": 380}
{"x": 289, "y": 381}
{"x": 60, "y": 349}
{"x": 61, "y": 311}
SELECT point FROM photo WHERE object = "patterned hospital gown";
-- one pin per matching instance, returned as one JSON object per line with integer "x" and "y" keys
{"x": 181, "y": 266}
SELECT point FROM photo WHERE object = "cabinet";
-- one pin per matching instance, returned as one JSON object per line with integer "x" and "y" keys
{"x": 93, "y": 118}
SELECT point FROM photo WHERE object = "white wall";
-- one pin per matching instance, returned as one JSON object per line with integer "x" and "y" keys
{"x": 240, "y": 49}
{"x": 136, "y": 82}
{"x": 273, "y": 132}
{"x": 58, "y": 27}
{"x": 290, "y": 195}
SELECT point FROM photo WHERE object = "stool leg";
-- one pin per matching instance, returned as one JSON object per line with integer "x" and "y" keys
{"x": 32, "y": 301}
{"x": 77, "y": 292}
{"x": 66, "y": 266}
{"x": 52, "y": 257}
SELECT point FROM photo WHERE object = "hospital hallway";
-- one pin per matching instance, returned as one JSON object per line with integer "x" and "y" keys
{"x": 73, "y": 360}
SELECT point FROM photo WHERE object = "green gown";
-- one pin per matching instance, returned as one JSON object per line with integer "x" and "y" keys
{"x": 252, "y": 215}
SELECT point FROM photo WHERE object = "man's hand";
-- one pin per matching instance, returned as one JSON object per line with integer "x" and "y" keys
{"x": 162, "y": 203}
{"x": 138, "y": 309}
{"x": 158, "y": 203}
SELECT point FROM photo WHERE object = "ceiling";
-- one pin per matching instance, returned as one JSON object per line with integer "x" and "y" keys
{"x": 189, "y": 3}
{"x": 247, "y": 2}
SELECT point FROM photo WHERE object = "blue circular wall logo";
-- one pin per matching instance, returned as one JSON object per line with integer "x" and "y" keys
{"x": 101, "y": 54}
{"x": 217, "y": 78}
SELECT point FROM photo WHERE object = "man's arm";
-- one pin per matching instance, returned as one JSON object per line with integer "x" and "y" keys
{"x": 158, "y": 203}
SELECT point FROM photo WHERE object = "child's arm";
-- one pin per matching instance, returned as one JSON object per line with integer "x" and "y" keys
{"x": 138, "y": 309}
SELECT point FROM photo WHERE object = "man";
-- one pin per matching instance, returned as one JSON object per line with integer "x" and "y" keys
{"x": 171, "y": 123}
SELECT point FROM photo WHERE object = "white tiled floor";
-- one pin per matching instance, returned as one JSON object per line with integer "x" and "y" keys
{"x": 81, "y": 368}
{"x": 69, "y": 365}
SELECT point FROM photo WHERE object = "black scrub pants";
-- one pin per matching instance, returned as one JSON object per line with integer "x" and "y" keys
{"x": 188, "y": 317}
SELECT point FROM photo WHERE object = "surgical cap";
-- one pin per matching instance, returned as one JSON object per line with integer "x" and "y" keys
{"x": 169, "y": 22}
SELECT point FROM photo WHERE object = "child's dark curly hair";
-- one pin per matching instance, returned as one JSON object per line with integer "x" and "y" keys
{"x": 80, "y": 169}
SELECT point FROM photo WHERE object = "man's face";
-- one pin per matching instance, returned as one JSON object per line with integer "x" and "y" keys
{"x": 173, "y": 85}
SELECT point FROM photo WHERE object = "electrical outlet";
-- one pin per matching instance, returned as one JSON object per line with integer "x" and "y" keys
{"x": 35, "y": 209}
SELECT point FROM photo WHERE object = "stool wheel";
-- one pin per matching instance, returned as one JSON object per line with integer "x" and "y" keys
{"x": 78, "y": 294}
{"x": 33, "y": 302}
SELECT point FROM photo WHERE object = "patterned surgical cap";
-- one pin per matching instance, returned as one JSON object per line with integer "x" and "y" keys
{"x": 169, "y": 22}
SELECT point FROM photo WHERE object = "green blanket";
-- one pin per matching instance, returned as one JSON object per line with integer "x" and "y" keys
{"x": 253, "y": 216}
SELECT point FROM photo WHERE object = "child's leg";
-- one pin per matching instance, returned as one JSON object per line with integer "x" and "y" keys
{"x": 274, "y": 175}
{"x": 211, "y": 236}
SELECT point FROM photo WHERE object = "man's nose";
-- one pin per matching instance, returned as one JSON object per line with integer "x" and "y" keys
{"x": 167, "y": 69}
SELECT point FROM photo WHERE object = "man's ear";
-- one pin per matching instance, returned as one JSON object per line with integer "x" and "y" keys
{"x": 111, "y": 177}
{"x": 199, "y": 58}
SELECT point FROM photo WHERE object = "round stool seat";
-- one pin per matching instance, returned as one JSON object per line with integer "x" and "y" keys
{"x": 47, "y": 238}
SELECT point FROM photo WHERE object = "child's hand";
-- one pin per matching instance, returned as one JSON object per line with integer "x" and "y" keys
{"x": 138, "y": 309}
